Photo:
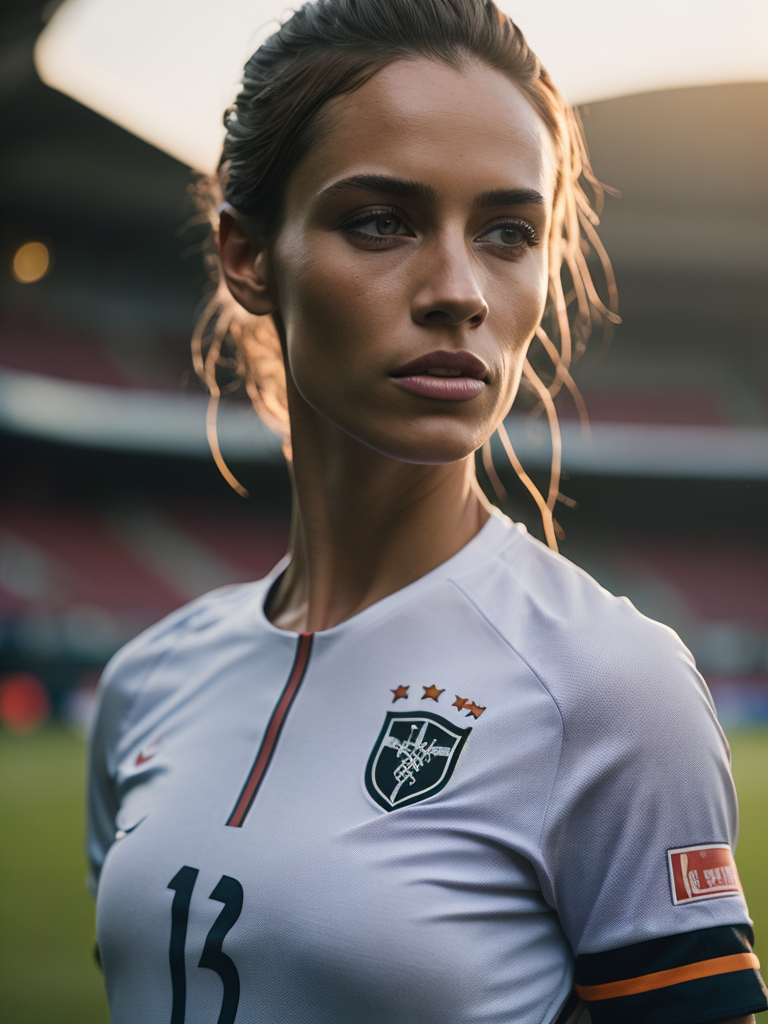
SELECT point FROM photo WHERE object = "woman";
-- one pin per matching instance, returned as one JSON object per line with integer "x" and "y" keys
{"x": 426, "y": 770}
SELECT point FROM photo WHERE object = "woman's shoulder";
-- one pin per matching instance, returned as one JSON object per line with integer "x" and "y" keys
{"x": 589, "y": 648}
{"x": 531, "y": 590}
{"x": 199, "y": 622}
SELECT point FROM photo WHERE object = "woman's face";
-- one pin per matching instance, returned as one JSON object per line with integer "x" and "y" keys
{"x": 410, "y": 271}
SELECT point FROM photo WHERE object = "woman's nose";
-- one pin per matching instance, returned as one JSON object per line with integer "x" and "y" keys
{"x": 449, "y": 293}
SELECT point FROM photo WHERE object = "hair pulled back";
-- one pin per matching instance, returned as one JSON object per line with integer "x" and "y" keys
{"x": 331, "y": 47}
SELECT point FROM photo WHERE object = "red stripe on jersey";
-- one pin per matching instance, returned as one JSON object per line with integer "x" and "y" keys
{"x": 268, "y": 744}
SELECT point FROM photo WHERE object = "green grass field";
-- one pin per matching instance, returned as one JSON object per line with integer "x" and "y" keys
{"x": 47, "y": 975}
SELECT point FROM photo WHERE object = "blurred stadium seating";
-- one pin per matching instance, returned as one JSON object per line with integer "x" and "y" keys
{"x": 105, "y": 527}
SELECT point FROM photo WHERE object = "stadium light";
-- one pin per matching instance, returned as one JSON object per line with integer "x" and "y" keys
{"x": 31, "y": 262}
{"x": 166, "y": 69}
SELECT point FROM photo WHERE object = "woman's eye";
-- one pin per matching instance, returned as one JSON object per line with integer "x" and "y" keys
{"x": 512, "y": 236}
{"x": 379, "y": 225}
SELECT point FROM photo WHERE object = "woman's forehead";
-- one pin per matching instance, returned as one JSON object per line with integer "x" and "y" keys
{"x": 464, "y": 131}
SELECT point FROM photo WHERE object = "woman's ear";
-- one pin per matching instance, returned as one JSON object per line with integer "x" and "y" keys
{"x": 245, "y": 265}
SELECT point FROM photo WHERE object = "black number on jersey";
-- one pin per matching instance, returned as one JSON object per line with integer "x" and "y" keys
{"x": 183, "y": 882}
{"x": 229, "y": 892}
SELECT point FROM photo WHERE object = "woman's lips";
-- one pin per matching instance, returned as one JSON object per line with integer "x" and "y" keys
{"x": 453, "y": 375}
{"x": 452, "y": 389}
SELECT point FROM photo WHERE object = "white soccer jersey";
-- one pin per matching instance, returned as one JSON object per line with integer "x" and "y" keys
{"x": 494, "y": 793}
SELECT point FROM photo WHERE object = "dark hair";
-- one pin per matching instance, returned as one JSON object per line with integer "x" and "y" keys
{"x": 332, "y": 47}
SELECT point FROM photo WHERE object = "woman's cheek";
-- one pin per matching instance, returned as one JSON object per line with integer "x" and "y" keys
{"x": 519, "y": 313}
{"x": 323, "y": 297}
{"x": 329, "y": 344}
{"x": 521, "y": 306}
{"x": 537, "y": 285}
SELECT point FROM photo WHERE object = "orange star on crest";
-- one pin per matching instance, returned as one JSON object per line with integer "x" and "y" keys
{"x": 460, "y": 702}
{"x": 472, "y": 709}
{"x": 433, "y": 692}
{"x": 401, "y": 691}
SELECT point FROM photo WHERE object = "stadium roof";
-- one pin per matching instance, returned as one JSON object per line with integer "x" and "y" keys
{"x": 166, "y": 69}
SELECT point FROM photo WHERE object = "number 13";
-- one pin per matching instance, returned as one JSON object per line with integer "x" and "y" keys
{"x": 229, "y": 892}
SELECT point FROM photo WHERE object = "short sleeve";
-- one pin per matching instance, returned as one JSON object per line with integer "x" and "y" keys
{"x": 118, "y": 706}
{"x": 637, "y": 844}
{"x": 101, "y": 807}
{"x": 116, "y": 697}
{"x": 113, "y": 703}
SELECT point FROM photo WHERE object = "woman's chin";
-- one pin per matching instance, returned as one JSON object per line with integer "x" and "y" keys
{"x": 434, "y": 438}
{"x": 433, "y": 445}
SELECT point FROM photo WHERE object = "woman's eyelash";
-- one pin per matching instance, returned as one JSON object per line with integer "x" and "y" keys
{"x": 531, "y": 235}
{"x": 527, "y": 229}
{"x": 369, "y": 215}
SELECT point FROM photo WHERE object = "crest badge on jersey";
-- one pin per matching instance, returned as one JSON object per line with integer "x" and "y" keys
{"x": 413, "y": 758}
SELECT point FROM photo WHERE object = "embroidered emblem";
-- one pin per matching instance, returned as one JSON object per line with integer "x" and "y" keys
{"x": 433, "y": 692}
{"x": 413, "y": 758}
{"x": 400, "y": 693}
{"x": 702, "y": 873}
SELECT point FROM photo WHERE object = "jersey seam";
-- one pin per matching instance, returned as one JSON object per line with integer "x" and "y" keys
{"x": 543, "y": 685}
{"x": 130, "y": 719}
{"x": 558, "y": 1003}
{"x": 182, "y": 630}
{"x": 111, "y": 771}
{"x": 186, "y": 625}
{"x": 512, "y": 647}
{"x": 419, "y": 596}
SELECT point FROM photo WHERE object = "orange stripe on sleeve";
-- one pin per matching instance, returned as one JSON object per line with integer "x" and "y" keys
{"x": 663, "y": 979}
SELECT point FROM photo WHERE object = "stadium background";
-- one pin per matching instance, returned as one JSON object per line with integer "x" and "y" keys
{"x": 112, "y": 512}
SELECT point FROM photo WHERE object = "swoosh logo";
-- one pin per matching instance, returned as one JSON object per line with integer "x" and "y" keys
{"x": 147, "y": 752}
{"x": 123, "y": 832}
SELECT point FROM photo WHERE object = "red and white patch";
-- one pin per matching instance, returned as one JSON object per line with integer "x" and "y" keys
{"x": 702, "y": 873}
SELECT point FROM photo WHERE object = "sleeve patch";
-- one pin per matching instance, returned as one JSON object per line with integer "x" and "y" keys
{"x": 702, "y": 873}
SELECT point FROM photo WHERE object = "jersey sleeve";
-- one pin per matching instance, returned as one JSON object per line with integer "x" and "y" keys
{"x": 116, "y": 697}
{"x": 118, "y": 705}
{"x": 638, "y": 838}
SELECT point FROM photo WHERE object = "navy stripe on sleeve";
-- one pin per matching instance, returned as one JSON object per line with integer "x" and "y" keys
{"x": 698, "y": 977}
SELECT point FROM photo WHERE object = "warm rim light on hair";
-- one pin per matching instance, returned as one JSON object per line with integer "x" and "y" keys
{"x": 332, "y": 47}
{"x": 31, "y": 262}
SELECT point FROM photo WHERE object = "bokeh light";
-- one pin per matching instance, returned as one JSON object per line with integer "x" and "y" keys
{"x": 24, "y": 702}
{"x": 31, "y": 262}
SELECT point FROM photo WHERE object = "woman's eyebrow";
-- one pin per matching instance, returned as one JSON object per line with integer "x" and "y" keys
{"x": 419, "y": 191}
{"x": 510, "y": 197}
{"x": 382, "y": 183}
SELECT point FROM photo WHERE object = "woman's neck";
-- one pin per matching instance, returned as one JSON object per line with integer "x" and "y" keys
{"x": 365, "y": 525}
